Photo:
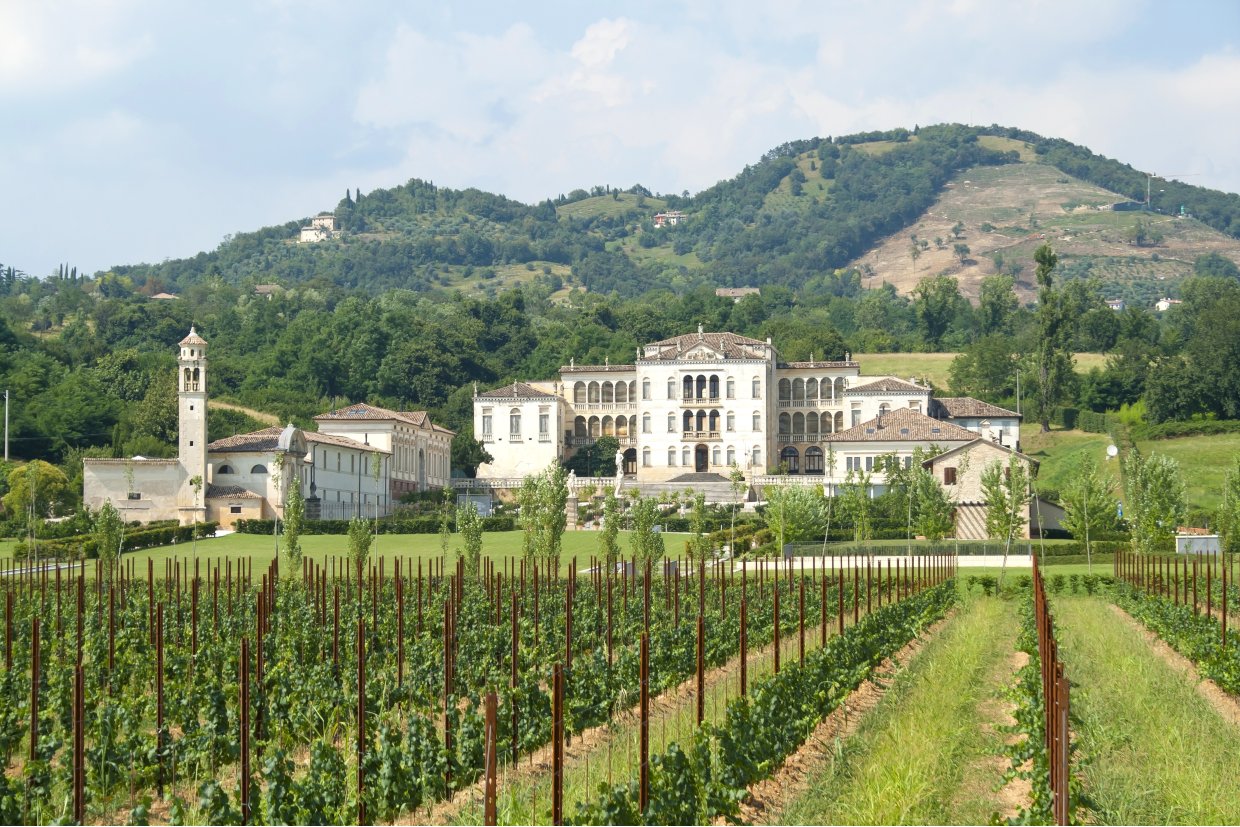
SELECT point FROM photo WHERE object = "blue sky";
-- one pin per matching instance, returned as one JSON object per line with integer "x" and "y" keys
{"x": 137, "y": 130}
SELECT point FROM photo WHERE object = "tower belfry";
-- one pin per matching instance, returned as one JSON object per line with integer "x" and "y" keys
{"x": 192, "y": 417}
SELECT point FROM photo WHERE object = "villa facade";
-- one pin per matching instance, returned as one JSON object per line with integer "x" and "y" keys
{"x": 703, "y": 403}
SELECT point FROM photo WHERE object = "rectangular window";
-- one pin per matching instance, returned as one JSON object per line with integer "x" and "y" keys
{"x": 856, "y": 416}
{"x": 544, "y": 427}
{"x": 352, "y": 460}
{"x": 908, "y": 463}
{"x": 134, "y": 495}
{"x": 869, "y": 463}
{"x": 234, "y": 509}
{"x": 949, "y": 476}
{"x": 486, "y": 424}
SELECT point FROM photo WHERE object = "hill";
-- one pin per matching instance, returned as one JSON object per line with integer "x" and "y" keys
{"x": 1003, "y": 213}
{"x": 795, "y": 216}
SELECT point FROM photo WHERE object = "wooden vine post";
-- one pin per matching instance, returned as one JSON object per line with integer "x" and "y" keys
{"x": 643, "y": 766}
{"x": 244, "y": 716}
{"x": 361, "y": 719}
{"x": 557, "y": 744}
{"x": 489, "y": 760}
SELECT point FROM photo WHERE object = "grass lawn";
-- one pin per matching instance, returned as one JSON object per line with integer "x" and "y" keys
{"x": 498, "y": 545}
{"x": 935, "y": 366}
{"x": 1151, "y": 750}
{"x": 1058, "y": 453}
{"x": 923, "y": 756}
{"x": 1203, "y": 459}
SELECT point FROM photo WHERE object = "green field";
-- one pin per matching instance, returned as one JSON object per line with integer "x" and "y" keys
{"x": 1058, "y": 453}
{"x": 1203, "y": 460}
{"x": 935, "y": 366}
{"x": 616, "y": 204}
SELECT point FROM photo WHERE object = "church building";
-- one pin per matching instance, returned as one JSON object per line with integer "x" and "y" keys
{"x": 361, "y": 460}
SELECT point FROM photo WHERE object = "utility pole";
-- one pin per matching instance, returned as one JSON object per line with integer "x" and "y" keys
{"x": 6, "y": 426}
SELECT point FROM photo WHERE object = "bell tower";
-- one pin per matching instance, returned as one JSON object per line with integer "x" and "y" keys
{"x": 192, "y": 421}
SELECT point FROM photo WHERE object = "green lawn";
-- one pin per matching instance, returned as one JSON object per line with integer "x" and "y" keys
{"x": 497, "y": 545}
{"x": 923, "y": 756}
{"x": 1150, "y": 749}
{"x": 935, "y": 366}
{"x": 1058, "y": 453}
{"x": 1203, "y": 459}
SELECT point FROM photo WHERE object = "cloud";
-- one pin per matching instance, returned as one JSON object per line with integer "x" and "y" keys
{"x": 57, "y": 46}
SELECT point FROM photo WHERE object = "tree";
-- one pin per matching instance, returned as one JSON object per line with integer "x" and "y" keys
{"x": 962, "y": 252}
{"x": 647, "y": 543}
{"x": 736, "y": 479}
{"x": 1228, "y": 516}
{"x": 446, "y": 507}
{"x": 794, "y": 513}
{"x": 1088, "y": 502}
{"x": 1154, "y": 494}
{"x": 360, "y": 539}
{"x": 1006, "y": 489}
{"x": 37, "y": 490}
{"x": 1054, "y": 361}
{"x": 699, "y": 543}
{"x": 857, "y": 505}
{"x": 997, "y": 304}
{"x": 469, "y": 524}
{"x": 294, "y": 522}
{"x": 935, "y": 301}
{"x": 109, "y": 530}
{"x": 608, "y": 547}
{"x": 958, "y": 229}
{"x": 932, "y": 509}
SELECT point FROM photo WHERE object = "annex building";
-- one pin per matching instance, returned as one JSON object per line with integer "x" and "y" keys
{"x": 360, "y": 461}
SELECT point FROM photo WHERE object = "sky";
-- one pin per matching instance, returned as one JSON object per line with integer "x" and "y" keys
{"x": 140, "y": 130}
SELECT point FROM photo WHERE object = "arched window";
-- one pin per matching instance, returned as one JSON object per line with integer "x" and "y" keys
{"x": 798, "y": 391}
{"x": 645, "y": 389}
{"x": 686, "y": 387}
{"x": 609, "y": 426}
{"x": 225, "y": 469}
{"x": 731, "y": 388}
{"x": 701, "y": 420}
{"x": 731, "y": 455}
{"x": 579, "y": 427}
{"x": 596, "y": 427}
{"x": 785, "y": 390}
{"x": 731, "y": 421}
{"x": 671, "y": 456}
{"x": 791, "y": 458}
{"x": 811, "y": 390}
{"x": 714, "y": 421}
{"x": 671, "y": 387}
{"x": 785, "y": 423}
{"x": 757, "y": 457}
{"x": 884, "y": 409}
{"x": 688, "y": 421}
{"x": 714, "y": 455}
{"x": 592, "y": 392}
{"x": 514, "y": 423}
{"x": 838, "y": 389}
{"x": 684, "y": 457}
{"x": 839, "y": 420}
{"x": 671, "y": 423}
{"x": 811, "y": 424}
{"x": 798, "y": 423}
{"x": 622, "y": 423}
{"x": 756, "y": 390}
{"x": 646, "y": 425}
{"x": 609, "y": 392}
{"x": 826, "y": 423}
{"x": 813, "y": 460}
{"x": 259, "y": 469}
{"x": 633, "y": 391}
{"x": 701, "y": 386}
{"x": 622, "y": 391}
{"x": 757, "y": 421}
{"x": 714, "y": 387}
{"x": 646, "y": 457}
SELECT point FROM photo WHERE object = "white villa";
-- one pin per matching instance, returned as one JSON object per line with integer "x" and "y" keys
{"x": 692, "y": 406}
{"x": 360, "y": 460}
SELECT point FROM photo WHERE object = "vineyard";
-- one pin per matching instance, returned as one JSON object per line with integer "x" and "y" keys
{"x": 211, "y": 693}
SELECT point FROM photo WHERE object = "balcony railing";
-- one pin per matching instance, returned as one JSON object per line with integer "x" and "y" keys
{"x": 810, "y": 403}
{"x": 784, "y": 439}
{"x": 605, "y": 406}
{"x": 701, "y": 401}
{"x": 585, "y": 441}
{"x": 701, "y": 436}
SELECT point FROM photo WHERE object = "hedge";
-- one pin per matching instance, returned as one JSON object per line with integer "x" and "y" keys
{"x": 74, "y": 548}
{"x": 1195, "y": 427}
{"x": 414, "y": 525}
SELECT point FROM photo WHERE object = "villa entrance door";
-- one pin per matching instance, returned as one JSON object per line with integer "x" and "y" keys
{"x": 701, "y": 459}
